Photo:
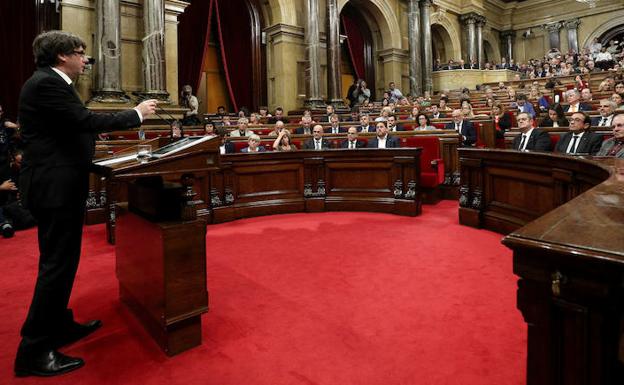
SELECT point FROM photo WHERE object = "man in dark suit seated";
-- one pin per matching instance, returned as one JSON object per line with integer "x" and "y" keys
{"x": 58, "y": 133}
{"x": 226, "y": 146}
{"x": 383, "y": 140}
{"x": 435, "y": 112}
{"x": 316, "y": 142}
{"x": 365, "y": 124}
{"x": 352, "y": 140}
{"x": 614, "y": 146}
{"x": 278, "y": 115}
{"x": 579, "y": 140}
{"x": 334, "y": 127}
{"x": 607, "y": 109}
{"x": 531, "y": 139}
{"x": 463, "y": 127}
{"x": 306, "y": 126}
{"x": 393, "y": 126}
{"x": 573, "y": 98}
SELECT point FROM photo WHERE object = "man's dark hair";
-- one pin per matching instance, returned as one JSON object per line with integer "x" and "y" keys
{"x": 48, "y": 45}
{"x": 586, "y": 117}
{"x": 221, "y": 131}
{"x": 521, "y": 97}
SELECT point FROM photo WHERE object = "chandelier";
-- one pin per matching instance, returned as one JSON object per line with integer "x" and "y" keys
{"x": 590, "y": 3}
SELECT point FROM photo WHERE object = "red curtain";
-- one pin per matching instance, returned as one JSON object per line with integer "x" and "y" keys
{"x": 355, "y": 43}
{"x": 233, "y": 32}
{"x": 18, "y": 28}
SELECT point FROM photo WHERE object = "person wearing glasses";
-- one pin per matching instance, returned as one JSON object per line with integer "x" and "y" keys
{"x": 58, "y": 134}
{"x": 579, "y": 140}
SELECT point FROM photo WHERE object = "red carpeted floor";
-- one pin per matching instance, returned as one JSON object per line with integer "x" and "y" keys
{"x": 311, "y": 299}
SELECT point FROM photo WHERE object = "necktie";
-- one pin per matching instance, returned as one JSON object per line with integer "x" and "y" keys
{"x": 522, "y": 142}
{"x": 351, "y": 144}
{"x": 317, "y": 145}
{"x": 456, "y": 127}
{"x": 573, "y": 108}
{"x": 573, "y": 147}
{"x": 603, "y": 122}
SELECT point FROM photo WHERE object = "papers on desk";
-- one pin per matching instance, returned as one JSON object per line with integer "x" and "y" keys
{"x": 121, "y": 159}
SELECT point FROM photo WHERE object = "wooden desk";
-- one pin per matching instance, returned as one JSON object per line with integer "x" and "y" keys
{"x": 566, "y": 218}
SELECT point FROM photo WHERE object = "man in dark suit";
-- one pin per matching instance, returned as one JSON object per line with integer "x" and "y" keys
{"x": 58, "y": 133}
{"x": 435, "y": 112}
{"x": 530, "y": 139}
{"x": 226, "y": 146}
{"x": 573, "y": 98}
{"x": 334, "y": 127}
{"x": 579, "y": 140}
{"x": 393, "y": 126}
{"x": 306, "y": 126}
{"x": 383, "y": 140}
{"x": 365, "y": 124}
{"x": 463, "y": 127}
{"x": 607, "y": 109}
{"x": 352, "y": 140}
{"x": 316, "y": 142}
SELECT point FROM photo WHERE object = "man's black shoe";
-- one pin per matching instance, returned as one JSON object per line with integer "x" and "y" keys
{"x": 7, "y": 230}
{"x": 77, "y": 332}
{"x": 45, "y": 364}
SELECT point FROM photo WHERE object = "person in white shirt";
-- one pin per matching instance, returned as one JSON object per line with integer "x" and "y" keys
{"x": 242, "y": 130}
{"x": 395, "y": 93}
{"x": 607, "y": 109}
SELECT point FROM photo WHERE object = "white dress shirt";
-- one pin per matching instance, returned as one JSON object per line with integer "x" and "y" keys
{"x": 526, "y": 138}
{"x": 570, "y": 149}
{"x": 381, "y": 142}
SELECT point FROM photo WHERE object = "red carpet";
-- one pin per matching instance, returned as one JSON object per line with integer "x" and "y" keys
{"x": 311, "y": 299}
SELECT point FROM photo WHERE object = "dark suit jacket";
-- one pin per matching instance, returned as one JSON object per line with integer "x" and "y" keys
{"x": 229, "y": 147}
{"x": 59, "y": 140}
{"x": 299, "y": 130}
{"x": 595, "y": 121}
{"x": 440, "y": 116}
{"x": 467, "y": 130}
{"x": 328, "y": 130}
{"x": 582, "y": 107}
{"x": 309, "y": 144}
{"x": 370, "y": 128}
{"x": 391, "y": 142}
{"x": 589, "y": 144}
{"x": 538, "y": 141}
{"x": 399, "y": 127}
{"x": 358, "y": 143}
{"x": 547, "y": 122}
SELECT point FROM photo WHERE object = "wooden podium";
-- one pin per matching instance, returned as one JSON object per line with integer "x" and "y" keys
{"x": 160, "y": 242}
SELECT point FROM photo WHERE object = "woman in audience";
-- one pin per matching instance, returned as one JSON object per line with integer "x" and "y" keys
{"x": 254, "y": 118}
{"x": 253, "y": 144}
{"x": 414, "y": 114}
{"x": 618, "y": 99}
{"x": 556, "y": 117}
{"x": 502, "y": 121}
{"x": 511, "y": 97}
{"x": 489, "y": 102}
{"x": 176, "y": 130}
{"x": 282, "y": 143}
{"x": 209, "y": 128}
{"x": 580, "y": 83}
{"x": 424, "y": 124}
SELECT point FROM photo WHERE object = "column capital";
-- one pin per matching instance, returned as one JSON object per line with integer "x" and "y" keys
{"x": 572, "y": 24}
{"x": 426, "y": 3}
{"x": 470, "y": 18}
{"x": 553, "y": 27}
{"x": 507, "y": 34}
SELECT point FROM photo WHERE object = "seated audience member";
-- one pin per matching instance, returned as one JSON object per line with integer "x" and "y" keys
{"x": 463, "y": 127}
{"x": 365, "y": 123}
{"x": 383, "y": 115}
{"x": 253, "y": 144}
{"x": 278, "y": 115}
{"x": 176, "y": 132}
{"x": 316, "y": 142}
{"x": 414, "y": 113}
{"x": 619, "y": 88}
{"x": 607, "y": 84}
{"x": 13, "y": 216}
{"x": 556, "y": 117}
{"x": 352, "y": 141}
{"x": 573, "y": 98}
{"x": 282, "y": 143}
{"x": 254, "y": 118}
{"x": 334, "y": 127}
{"x": 225, "y": 121}
{"x": 209, "y": 128}
{"x": 243, "y": 112}
{"x": 264, "y": 112}
{"x": 618, "y": 99}
{"x": 501, "y": 120}
{"x": 306, "y": 126}
{"x": 443, "y": 104}
{"x": 7, "y": 133}
{"x": 383, "y": 140}
{"x": 243, "y": 129}
{"x": 395, "y": 93}
{"x": 614, "y": 146}
{"x": 524, "y": 106}
{"x": 489, "y": 102}
{"x": 607, "y": 111}
{"x": 221, "y": 111}
{"x": 393, "y": 126}
{"x": 424, "y": 124}
{"x": 530, "y": 139}
{"x": 355, "y": 115}
{"x": 329, "y": 111}
{"x": 586, "y": 95}
{"x": 190, "y": 101}
{"x": 277, "y": 128}
{"x": 579, "y": 140}
{"x": 226, "y": 146}
{"x": 435, "y": 112}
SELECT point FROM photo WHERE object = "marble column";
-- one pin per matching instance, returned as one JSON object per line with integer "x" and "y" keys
{"x": 107, "y": 52}
{"x": 480, "y": 57}
{"x": 154, "y": 71}
{"x": 572, "y": 27}
{"x": 334, "y": 77}
{"x": 313, "y": 47}
{"x": 553, "y": 34}
{"x": 508, "y": 38}
{"x": 425, "y": 27}
{"x": 470, "y": 20}
{"x": 415, "y": 57}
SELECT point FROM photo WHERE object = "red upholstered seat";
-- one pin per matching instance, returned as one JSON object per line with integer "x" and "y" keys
{"x": 431, "y": 163}
{"x": 440, "y": 126}
{"x": 554, "y": 138}
{"x": 478, "y": 127}
{"x": 238, "y": 146}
